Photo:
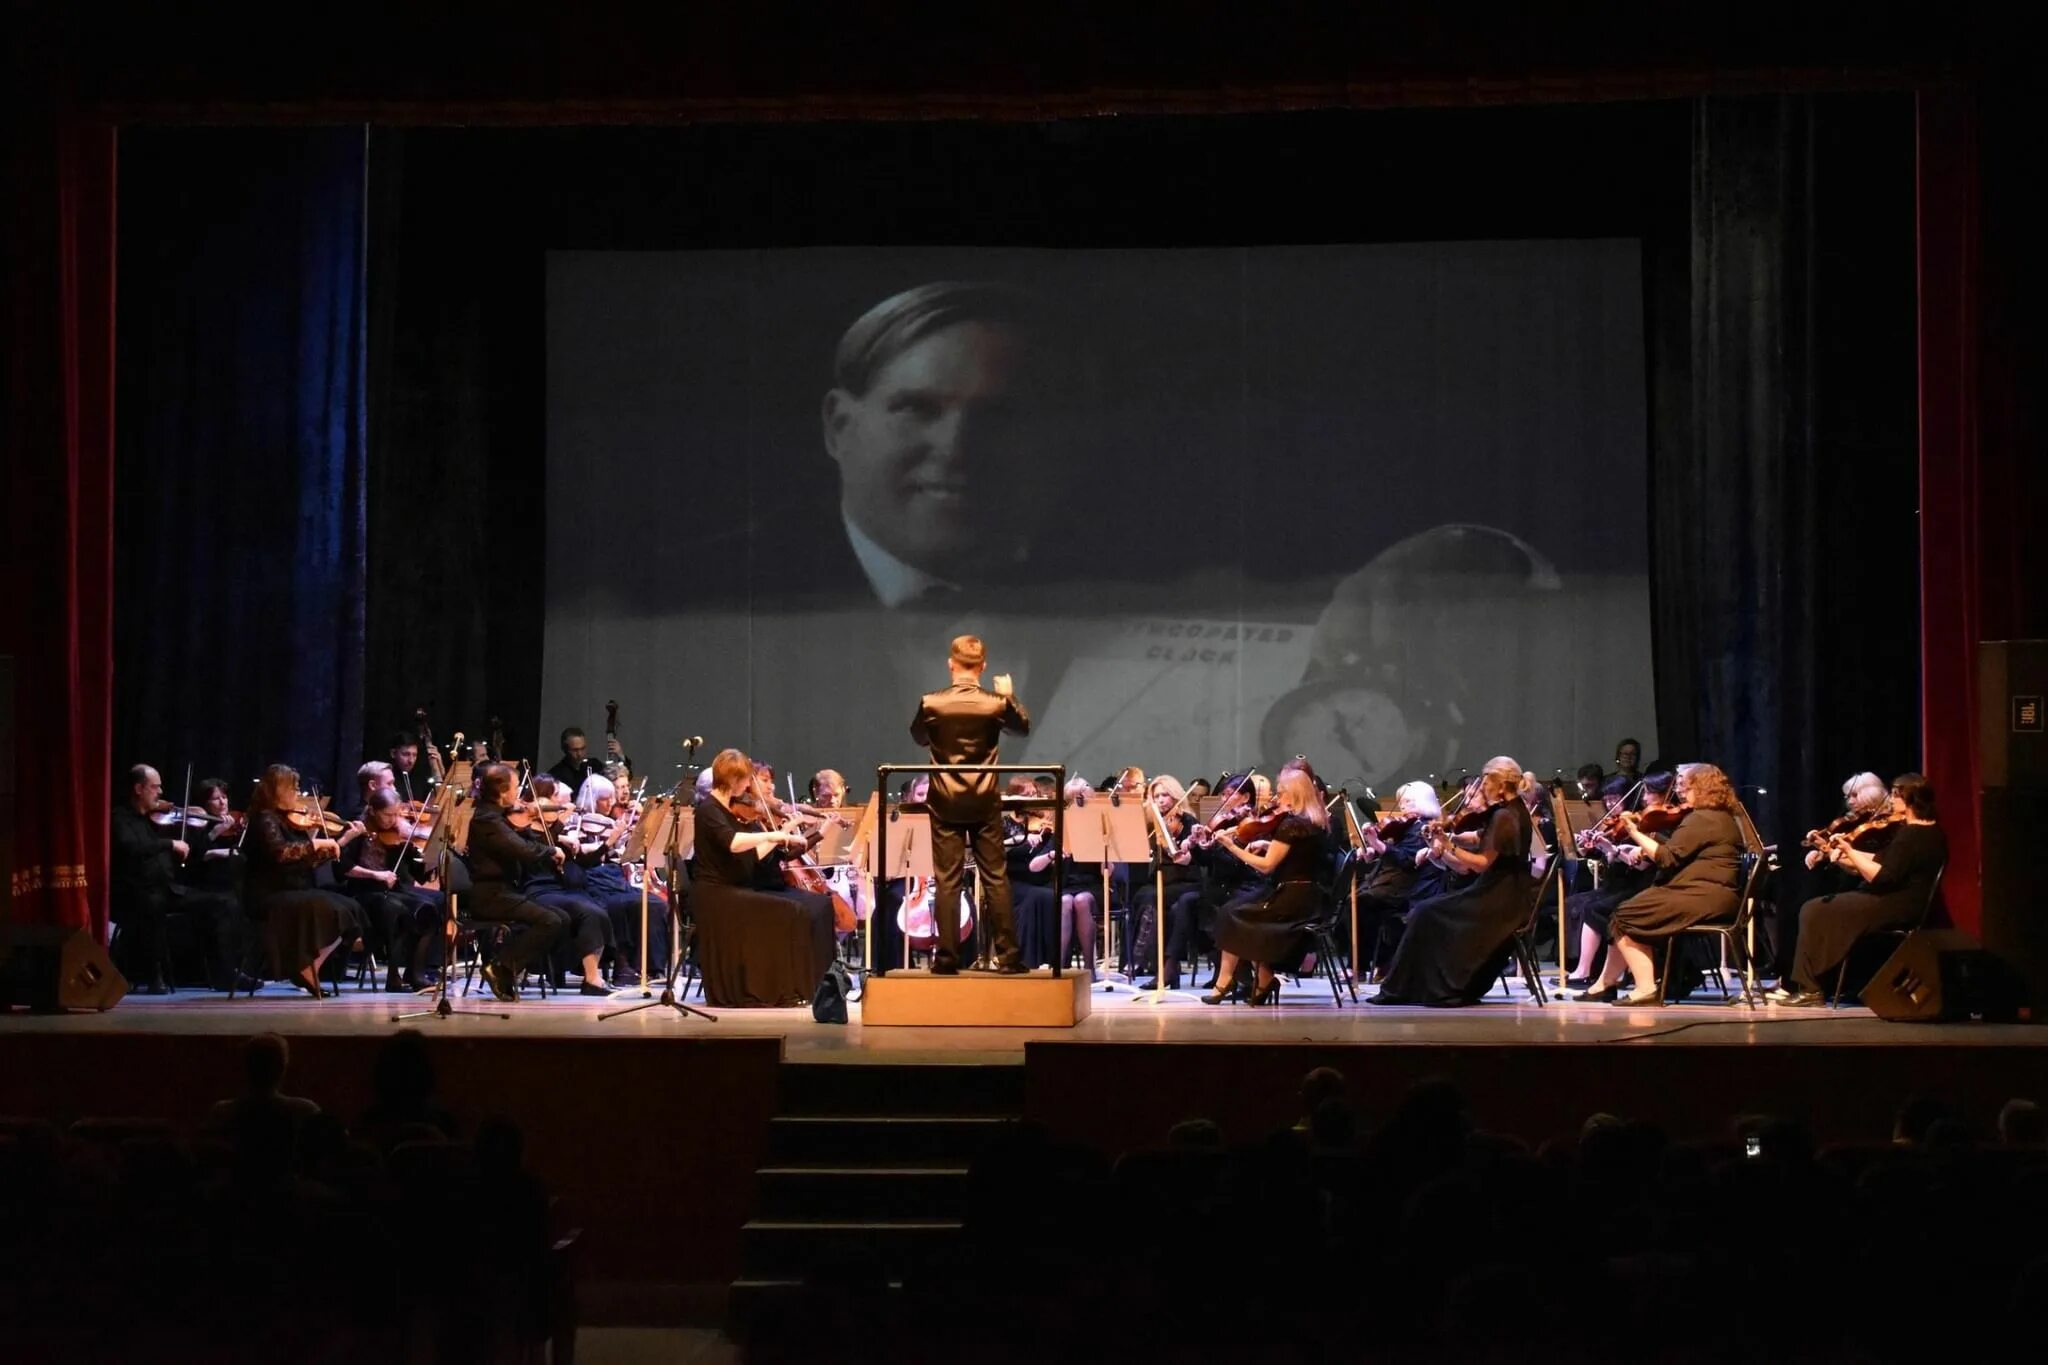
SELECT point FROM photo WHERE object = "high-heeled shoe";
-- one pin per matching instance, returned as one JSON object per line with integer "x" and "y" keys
{"x": 309, "y": 982}
{"x": 1267, "y": 994}
{"x": 1224, "y": 992}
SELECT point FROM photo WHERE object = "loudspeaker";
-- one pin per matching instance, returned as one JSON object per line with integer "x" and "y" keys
{"x": 2012, "y": 718}
{"x": 52, "y": 968}
{"x": 1940, "y": 974}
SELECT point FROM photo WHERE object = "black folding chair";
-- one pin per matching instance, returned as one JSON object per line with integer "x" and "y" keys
{"x": 1336, "y": 902}
{"x": 1732, "y": 935}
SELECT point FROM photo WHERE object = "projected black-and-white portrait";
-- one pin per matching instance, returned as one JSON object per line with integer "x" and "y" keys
{"x": 1378, "y": 504}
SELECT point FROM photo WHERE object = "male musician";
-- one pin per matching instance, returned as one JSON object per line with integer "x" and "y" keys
{"x": 500, "y": 857}
{"x": 411, "y": 781}
{"x": 371, "y": 778}
{"x": 577, "y": 764}
{"x": 144, "y": 892}
{"x": 963, "y": 724}
{"x": 1628, "y": 758}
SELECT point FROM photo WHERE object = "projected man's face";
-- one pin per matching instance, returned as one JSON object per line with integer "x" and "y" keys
{"x": 931, "y": 457}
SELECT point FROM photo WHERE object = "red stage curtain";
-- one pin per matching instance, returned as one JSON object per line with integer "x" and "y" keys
{"x": 58, "y": 621}
{"x": 1951, "y": 559}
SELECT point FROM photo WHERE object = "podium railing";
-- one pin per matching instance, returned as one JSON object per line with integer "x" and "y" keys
{"x": 1056, "y": 802}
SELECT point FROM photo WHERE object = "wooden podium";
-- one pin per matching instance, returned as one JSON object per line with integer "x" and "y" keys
{"x": 974, "y": 1000}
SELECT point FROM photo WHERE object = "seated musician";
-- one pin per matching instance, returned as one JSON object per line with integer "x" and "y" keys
{"x": 1896, "y": 881}
{"x": 1396, "y": 875}
{"x": 587, "y": 939}
{"x": 1625, "y": 871}
{"x": 1182, "y": 878}
{"x": 1224, "y": 877}
{"x": 144, "y": 890}
{"x": 303, "y": 923}
{"x": 500, "y": 856}
{"x": 828, "y": 788}
{"x": 1457, "y": 942}
{"x": 755, "y": 948}
{"x": 606, "y": 820}
{"x": 1698, "y": 864}
{"x": 1866, "y": 799}
{"x": 1027, "y": 855}
{"x": 413, "y": 783}
{"x": 406, "y": 919}
{"x": 372, "y": 777}
{"x": 1271, "y": 930}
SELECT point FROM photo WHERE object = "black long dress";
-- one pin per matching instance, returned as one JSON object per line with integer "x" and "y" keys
{"x": 1273, "y": 926}
{"x": 1454, "y": 943}
{"x": 1699, "y": 865}
{"x": 299, "y": 919}
{"x": 1894, "y": 899}
{"x": 755, "y": 948}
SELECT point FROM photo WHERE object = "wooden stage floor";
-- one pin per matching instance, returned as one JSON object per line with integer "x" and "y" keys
{"x": 1304, "y": 1016}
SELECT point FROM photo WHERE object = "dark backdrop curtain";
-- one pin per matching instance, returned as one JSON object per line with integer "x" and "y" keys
{"x": 240, "y": 515}
{"x": 1783, "y": 456}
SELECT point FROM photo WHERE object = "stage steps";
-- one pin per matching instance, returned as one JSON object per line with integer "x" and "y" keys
{"x": 865, "y": 1184}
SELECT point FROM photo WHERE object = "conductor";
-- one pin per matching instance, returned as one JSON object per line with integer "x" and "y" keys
{"x": 963, "y": 724}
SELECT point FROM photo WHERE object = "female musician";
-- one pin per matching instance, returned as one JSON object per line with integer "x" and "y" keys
{"x": 378, "y": 870}
{"x": 303, "y": 924}
{"x": 1896, "y": 882}
{"x": 1865, "y": 799}
{"x": 601, "y": 838}
{"x": 828, "y": 788}
{"x": 1271, "y": 929}
{"x": 1627, "y": 870}
{"x": 217, "y": 865}
{"x": 1183, "y": 880}
{"x": 1027, "y": 855}
{"x": 1080, "y": 885}
{"x": 756, "y": 949}
{"x": 1396, "y": 875}
{"x": 1226, "y": 878}
{"x": 1698, "y": 863}
{"x": 588, "y": 939}
{"x": 1455, "y": 943}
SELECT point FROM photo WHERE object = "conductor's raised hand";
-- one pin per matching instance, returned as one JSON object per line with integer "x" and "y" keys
{"x": 1004, "y": 687}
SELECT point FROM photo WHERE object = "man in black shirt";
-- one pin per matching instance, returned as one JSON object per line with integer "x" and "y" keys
{"x": 500, "y": 858}
{"x": 963, "y": 724}
{"x": 577, "y": 764}
{"x": 143, "y": 889}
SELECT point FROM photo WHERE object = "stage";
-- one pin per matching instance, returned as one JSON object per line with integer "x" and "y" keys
{"x": 1118, "y": 1015}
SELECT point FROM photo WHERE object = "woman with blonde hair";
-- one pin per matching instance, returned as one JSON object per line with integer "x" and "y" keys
{"x": 1271, "y": 928}
{"x": 1698, "y": 865}
{"x": 1456, "y": 944}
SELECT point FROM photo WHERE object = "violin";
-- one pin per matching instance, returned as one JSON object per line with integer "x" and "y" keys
{"x": 1865, "y": 835}
{"x": 307, "y": 817}
{"x": 1258, "y": 825}
{"x": 1392, "y": 829}
{"x": 169, "y": 816}
{"x": 1658, "y": 819}
{"x": 540, "y": 814}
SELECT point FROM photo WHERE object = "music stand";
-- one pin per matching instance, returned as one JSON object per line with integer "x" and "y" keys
{"x": 450, "y": 832}
{"x": 1107, "y": 829}
{"x": 1354, "y": 841}
{"x": 660, "y": 835}
{"x": 1569, "y": 817}
{"x": 1167, "y": 852}
{"x": 904, "y": 851}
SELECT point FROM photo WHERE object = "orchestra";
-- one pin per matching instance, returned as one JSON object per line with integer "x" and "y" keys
{"x": 1239, "y": 870}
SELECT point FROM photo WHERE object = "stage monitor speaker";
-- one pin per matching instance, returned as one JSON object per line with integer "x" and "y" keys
{"x": 52, "y": 968}
{"x": 1943, "y": 974}
{"x": 2012, "y": 751}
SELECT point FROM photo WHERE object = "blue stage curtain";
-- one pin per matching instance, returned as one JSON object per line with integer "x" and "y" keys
{"x": 240, "y": 473}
